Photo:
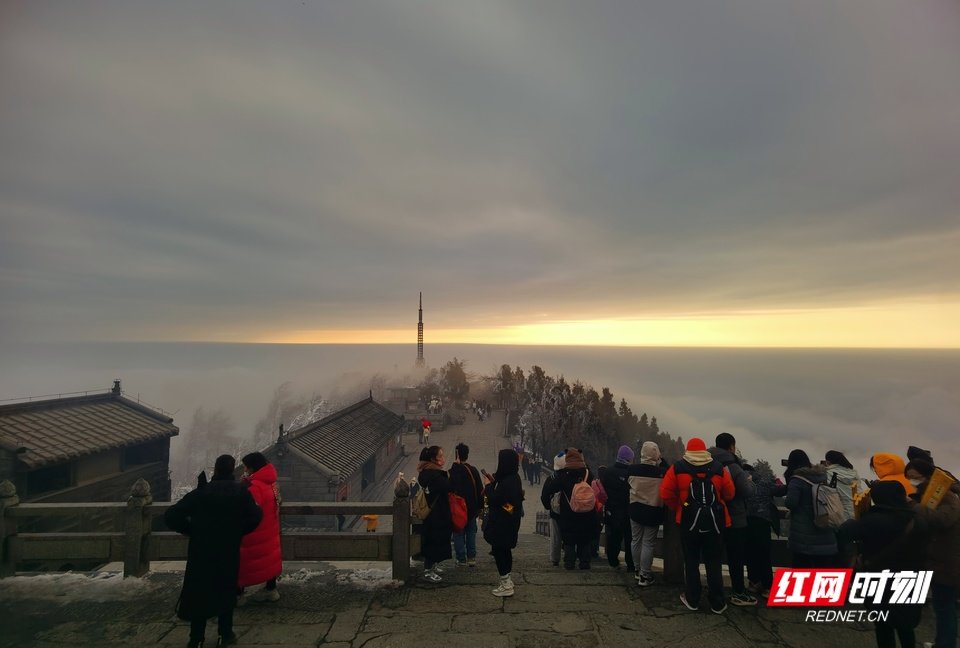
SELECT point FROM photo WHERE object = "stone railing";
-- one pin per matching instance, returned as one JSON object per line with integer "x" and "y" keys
{"x": 136, "y": 544}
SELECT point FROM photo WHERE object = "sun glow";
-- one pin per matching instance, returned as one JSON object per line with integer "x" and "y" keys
{"x": 924, "y": 325}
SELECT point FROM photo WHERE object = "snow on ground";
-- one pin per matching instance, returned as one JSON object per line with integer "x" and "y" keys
{"x": 368, "y": 579}
{"x": 300, "y": 576}
{"x": 69, "y": 587}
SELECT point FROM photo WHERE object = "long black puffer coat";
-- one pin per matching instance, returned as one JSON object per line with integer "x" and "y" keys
{"x": 437, "y": 528}
{"x": 215, "y": 517}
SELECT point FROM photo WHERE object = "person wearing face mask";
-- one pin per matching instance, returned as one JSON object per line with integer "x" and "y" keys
{"x": 942, "y": 555}
{"x": 889, "y": 467}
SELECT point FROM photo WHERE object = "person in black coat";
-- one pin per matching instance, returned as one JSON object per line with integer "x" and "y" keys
{"x": 619, "y": 534}
{"x": 576, "y": 529}
{"x": 891, "y": 536}
{"x": 466, "y": 482}
{"x": 437, "y": 528}
{"x": 215, "y": 516}
{"x": 504, "y": 493}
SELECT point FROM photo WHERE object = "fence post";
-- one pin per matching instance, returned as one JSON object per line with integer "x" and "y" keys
{"x": 8, "y": 528}
{"x": 672, "y": 550}
{"x": 401, "y": 532}
{"x": 137, "y": 519}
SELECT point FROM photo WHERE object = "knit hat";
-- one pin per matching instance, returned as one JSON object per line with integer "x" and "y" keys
{"x": 574, "y": 460}
{"x": 696, "y": 445}
{"x": 913, "y": 452}
{"x": 625, "y": 454}
{"x": 559, "y": 462}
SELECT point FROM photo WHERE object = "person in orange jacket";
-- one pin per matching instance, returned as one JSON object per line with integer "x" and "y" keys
{"x": 889, "y": 467}
{"x": 697, "y": 489}
{"x": 372, "y": 520}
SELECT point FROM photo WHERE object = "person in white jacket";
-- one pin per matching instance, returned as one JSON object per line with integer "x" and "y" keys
{"x": 841, "y": 475}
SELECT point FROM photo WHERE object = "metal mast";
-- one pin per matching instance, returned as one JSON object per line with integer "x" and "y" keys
{"x": 420, "y": 361}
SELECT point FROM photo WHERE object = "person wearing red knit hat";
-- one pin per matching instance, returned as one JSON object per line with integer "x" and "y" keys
{"x": 696, "y": 489}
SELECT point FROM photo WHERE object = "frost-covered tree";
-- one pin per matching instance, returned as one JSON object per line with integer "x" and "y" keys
{"x": 454, "y": 384}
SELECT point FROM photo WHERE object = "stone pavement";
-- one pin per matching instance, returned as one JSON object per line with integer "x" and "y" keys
{"x": 485, "y": 440}
{"x": 338, "y": 605}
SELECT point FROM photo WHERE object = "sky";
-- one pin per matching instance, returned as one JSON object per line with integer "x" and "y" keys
{"x": 744, "y": 173}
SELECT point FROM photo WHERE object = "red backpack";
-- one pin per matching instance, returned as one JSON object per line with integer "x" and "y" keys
{"x": 458, "y": 511}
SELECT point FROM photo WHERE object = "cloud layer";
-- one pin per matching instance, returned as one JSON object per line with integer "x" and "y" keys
{"x": 184, "y": 171}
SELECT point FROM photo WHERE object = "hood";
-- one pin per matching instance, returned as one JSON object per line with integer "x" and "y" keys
{"x": 650, "y": 453}
{"x": 887, "y": 465}
{"x": 267, "y": 475}
{"x": 725, "y": 457}
{"x": 815, "y": 474}
{"x": 844, "y": 475}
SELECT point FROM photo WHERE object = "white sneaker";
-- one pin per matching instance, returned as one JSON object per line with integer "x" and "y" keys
{"x": 505, "y": 588}
{"x": 432, "y": 576}
{"x": 268, "y": 596}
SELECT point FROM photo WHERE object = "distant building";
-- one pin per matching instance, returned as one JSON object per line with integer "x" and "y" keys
{"x": 88, "y": 448}
{"x": 341, "y": 457}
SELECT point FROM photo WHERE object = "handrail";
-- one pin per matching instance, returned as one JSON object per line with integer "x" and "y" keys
{"x": 135, "y": 543}
{"x": 51, "y": 509}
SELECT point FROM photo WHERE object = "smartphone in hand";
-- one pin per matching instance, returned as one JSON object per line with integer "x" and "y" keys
{"x": 486, "y": 475}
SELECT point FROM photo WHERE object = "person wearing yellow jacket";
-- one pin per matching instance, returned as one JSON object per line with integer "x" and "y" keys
{"x": 372, "y": 520}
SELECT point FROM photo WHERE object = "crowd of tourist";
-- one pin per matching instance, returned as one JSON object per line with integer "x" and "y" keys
{"x": 720, "y": 505}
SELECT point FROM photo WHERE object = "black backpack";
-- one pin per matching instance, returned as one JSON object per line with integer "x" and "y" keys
{"x": 702, "y": 510}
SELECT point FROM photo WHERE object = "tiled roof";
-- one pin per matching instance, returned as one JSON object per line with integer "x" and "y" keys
{"x": 53, "y": 431}
{"x": 343, "y": 441}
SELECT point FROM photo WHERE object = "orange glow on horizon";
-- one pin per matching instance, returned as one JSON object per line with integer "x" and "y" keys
{"x": 926, "y": 325}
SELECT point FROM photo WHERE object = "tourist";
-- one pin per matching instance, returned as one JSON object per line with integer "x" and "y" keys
{"x": 372, "y": 520}
{"x": 762, "y": 518}
{"x": 811, "y": 545}
{"x": 843, "y": 476}
{"x": 260, "y": 559}
{"x": 645, "y": 509}
{"x": 577, "y": 529}
{"x": 465, "y": 481}
{"x": 702, "y": 519}
{"x": 215, "y": 518}
{"x": 437, "y": 527}
{"x": 943, "y": 558}
{"x": 891, "y": 536}
{"x": 619, "y": 534}
{"x": 735, "y": 537}
{"x": 889, "y": 467}
{"x": 504, "y": 492}
{"x": 546, "y": 493}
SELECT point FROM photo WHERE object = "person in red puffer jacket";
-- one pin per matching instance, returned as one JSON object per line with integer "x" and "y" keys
{"x": 697, "y": 489}
{"x": 260, "y": 560}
